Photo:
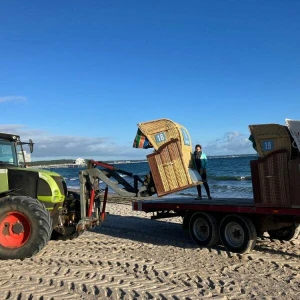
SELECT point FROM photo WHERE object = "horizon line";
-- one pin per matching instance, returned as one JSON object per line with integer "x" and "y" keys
{"x": 145, "y": 159}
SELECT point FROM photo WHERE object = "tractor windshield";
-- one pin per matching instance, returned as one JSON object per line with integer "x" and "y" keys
{"x": 8, "y": 154}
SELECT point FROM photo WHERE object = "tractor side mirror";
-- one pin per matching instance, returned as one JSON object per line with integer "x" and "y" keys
{"x": 31, "y": 145}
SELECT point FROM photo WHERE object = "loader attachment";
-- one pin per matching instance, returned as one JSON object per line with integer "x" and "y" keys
{"x": 110, "y": 175}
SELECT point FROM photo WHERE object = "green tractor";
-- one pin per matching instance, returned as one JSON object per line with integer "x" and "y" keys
{"x": 35, "y": 204}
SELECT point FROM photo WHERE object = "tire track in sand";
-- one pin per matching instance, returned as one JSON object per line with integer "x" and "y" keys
{"x": 132, "y": 257}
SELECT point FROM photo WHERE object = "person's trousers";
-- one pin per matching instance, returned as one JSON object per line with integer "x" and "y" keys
{"x": 203, "y": 177}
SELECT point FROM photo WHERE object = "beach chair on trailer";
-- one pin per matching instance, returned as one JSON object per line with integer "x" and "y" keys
{"x": 276, "y": 172}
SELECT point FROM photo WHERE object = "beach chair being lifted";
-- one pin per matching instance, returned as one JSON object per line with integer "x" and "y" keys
{"x": 171, "y": 163}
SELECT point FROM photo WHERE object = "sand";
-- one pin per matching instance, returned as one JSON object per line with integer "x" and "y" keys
{"x": 132, "y": 257}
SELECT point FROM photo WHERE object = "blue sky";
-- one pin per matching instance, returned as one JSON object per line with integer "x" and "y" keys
{"x": 77, "y": 76}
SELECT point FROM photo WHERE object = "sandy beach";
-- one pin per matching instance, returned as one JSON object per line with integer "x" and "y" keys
{"x": 132, "y": 257}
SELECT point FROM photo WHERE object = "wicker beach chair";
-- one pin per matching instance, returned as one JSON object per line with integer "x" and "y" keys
{"x": 276, "y": 173}
{"x": 171, "y": 163}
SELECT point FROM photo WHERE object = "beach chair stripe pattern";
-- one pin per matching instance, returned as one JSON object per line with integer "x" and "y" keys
{"x": 140, "y": 140}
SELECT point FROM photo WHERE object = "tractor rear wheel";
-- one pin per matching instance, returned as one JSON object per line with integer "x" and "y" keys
{"x": 25, "y": 227}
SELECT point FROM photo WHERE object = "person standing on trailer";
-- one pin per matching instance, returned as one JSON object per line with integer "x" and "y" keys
{"x": 201, "y": 163}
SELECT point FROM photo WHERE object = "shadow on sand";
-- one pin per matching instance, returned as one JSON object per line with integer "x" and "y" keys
{"x": 167, "y": 233}
{"x": 158, "y": 232}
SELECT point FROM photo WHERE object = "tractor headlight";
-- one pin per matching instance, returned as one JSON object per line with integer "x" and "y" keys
{"x": 56, "y": 196}
{"x": 55, "y": 199}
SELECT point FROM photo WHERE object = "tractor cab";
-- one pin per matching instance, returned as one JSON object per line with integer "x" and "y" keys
{"x": 48, "y": 187}
{"x": 11, "y": 150}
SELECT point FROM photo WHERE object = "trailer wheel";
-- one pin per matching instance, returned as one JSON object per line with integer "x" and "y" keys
{"x": 284, "y": 234}
{"x": 238, "y": 234}
{"x": 25, "y": 227}
{"x": 204, "y": 229}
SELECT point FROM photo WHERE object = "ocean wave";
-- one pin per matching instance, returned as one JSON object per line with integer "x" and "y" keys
{"x": 232, "y": 156}
{"x": 219, "y": 191}
{"x": 230, "y": 178}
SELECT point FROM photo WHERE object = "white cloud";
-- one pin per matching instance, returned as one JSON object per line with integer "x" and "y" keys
{"x": 49, "y": 147}
{"x": 12, "y": 98}
{"x": 230, "y": 144}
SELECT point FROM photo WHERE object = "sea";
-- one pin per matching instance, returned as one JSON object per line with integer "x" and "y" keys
{"x": 227, "y": 176}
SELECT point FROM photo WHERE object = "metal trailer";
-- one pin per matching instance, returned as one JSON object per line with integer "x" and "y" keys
{"x": 233, "y": 222}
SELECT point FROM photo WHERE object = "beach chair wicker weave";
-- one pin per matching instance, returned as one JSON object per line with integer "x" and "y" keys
{"x": 168, "y": 169}
{"x": 271, "y": 137}
{"x": 294, "y": 178}
{"x": 273, "y": 180}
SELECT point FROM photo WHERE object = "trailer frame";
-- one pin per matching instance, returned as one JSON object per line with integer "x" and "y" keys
{"x": 234, "y": 222}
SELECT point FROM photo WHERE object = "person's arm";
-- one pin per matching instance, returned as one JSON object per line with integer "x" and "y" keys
{"x": 203, "y": 161}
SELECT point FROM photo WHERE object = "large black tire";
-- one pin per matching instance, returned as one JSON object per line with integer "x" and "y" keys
{"x": 238, "y": 234}
{"x": 25, "y": 227}
{"x": 204, "y": 229}
{"x": 284, "y": 234}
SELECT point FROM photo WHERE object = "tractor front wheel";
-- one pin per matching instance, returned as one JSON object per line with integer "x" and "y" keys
{"x": 25, "y": 227}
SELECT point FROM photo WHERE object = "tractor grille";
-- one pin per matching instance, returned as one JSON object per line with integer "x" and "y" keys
{"x": 61, "y": 184}
{"x": 24, "y": 182}
{"x": 43, "y": 188}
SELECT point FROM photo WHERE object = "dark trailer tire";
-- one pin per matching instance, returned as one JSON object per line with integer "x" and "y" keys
{"x": 284, "y": 234}
{"x": 238, "y": 233}
{"x": 204, "y": 229}
{"x": 25, "y": 227}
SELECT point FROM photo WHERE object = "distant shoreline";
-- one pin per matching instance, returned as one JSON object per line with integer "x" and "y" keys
{"x": 64, "y": 164}
{"x": 123, "y": 161}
